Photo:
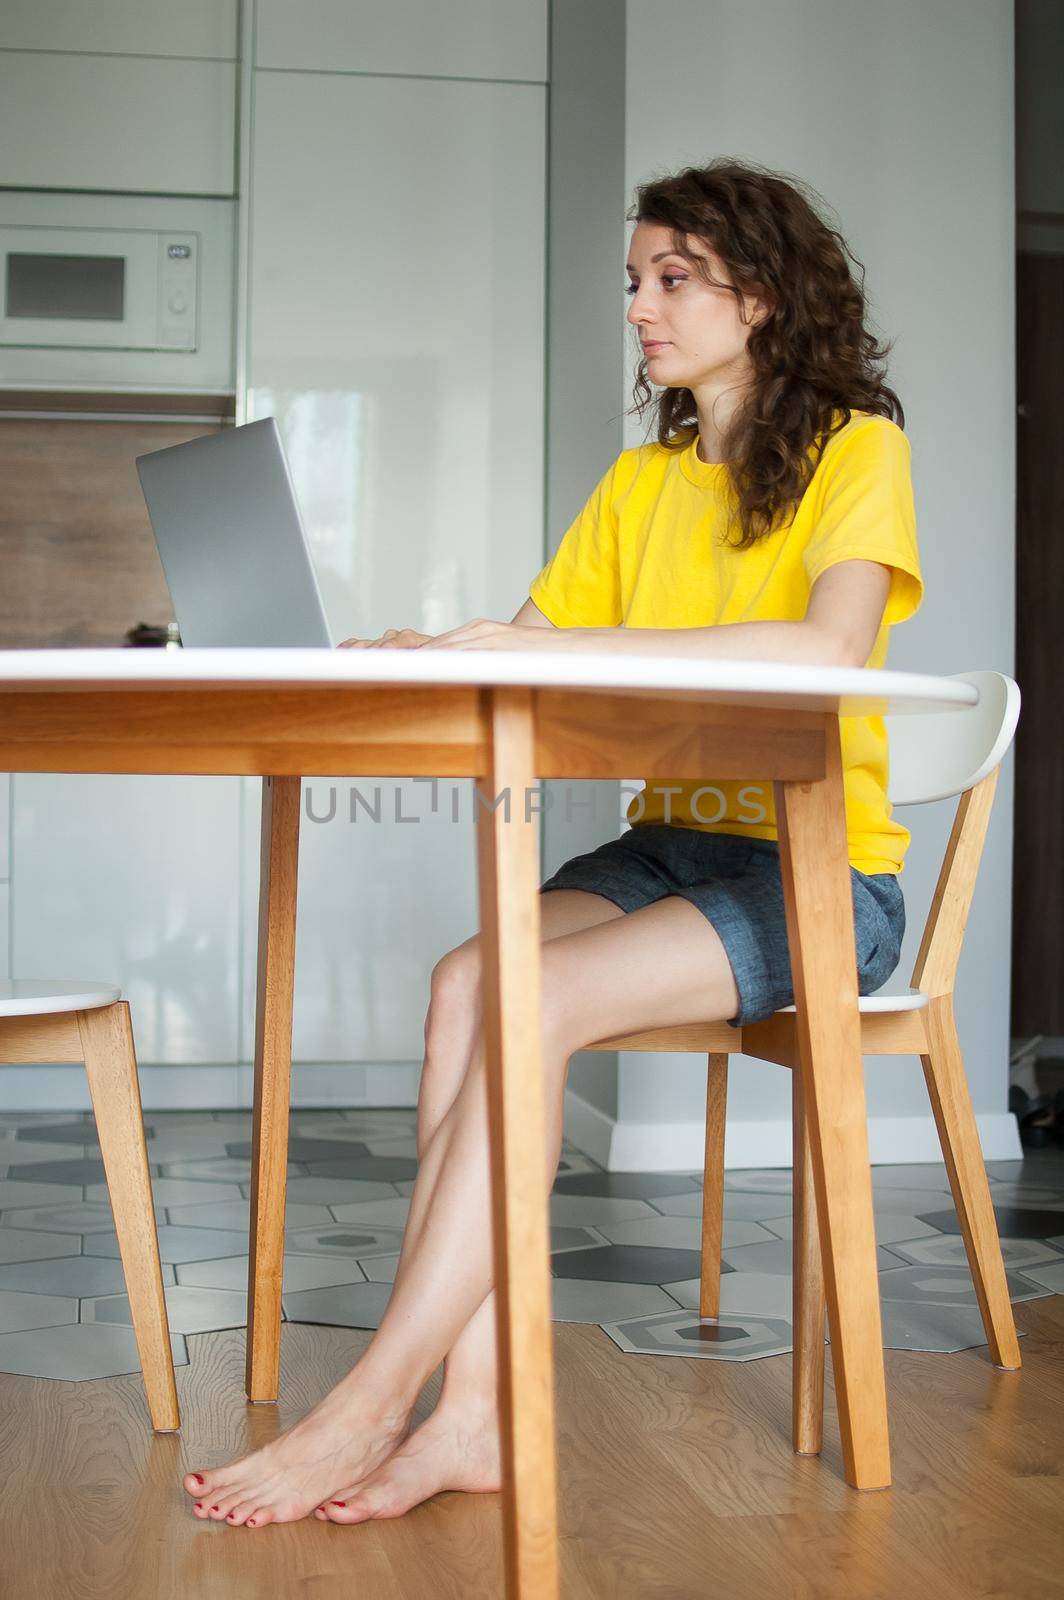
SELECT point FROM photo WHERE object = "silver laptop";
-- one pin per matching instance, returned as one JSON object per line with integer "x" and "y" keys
{"x": 232, "y": 542}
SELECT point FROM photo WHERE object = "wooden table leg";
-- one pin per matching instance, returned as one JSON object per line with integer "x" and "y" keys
{"x": 508, "y": 878}
{"x": 273, "y": 1071}
{"x": 819, "y": 903}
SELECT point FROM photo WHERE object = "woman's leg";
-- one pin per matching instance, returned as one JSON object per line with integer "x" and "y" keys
{"x": 607, "y": 978}
{"x": 451, "y": 1030}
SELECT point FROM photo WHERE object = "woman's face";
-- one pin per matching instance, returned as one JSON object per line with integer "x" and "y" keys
{"x": 691, "y": 332}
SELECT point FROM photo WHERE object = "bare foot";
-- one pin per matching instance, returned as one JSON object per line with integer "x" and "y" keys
{"x": 337, "y": 1444}
{"x": 456, "y": 1448}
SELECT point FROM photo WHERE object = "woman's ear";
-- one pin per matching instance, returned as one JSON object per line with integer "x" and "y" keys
{"x": 764, "y": 308}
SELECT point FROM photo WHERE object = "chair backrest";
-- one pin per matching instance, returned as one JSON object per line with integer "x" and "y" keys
{"x": 931, "y": 758}
{"x": 944, "y": 753}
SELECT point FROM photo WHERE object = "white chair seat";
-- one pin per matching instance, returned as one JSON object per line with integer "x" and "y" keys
{"x": 906, "y": 1000}
{"x": 33, "y": 997}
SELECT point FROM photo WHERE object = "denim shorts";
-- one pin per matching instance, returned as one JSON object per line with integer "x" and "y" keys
{"x": 736, "y": 883}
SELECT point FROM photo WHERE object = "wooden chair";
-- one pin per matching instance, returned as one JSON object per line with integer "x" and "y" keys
{"x": 88, "y": 1022}
{"x": 931, "y": 758}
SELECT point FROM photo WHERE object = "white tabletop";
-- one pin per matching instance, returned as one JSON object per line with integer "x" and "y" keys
{"x": 853, "y": 691}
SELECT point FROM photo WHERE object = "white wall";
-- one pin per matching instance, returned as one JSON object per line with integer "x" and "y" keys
{"x": 901, "y": 117}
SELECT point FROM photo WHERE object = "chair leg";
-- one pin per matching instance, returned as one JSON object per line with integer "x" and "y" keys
{"x": 958, "y": 1134}
{"x": 111, "y": 1069}
{"x": 713, "y": 1186}
{"x": 809, "y": 1301}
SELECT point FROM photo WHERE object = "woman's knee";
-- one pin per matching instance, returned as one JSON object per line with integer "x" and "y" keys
{"x": 454, "y": 985}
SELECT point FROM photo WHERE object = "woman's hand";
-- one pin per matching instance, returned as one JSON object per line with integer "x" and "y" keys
{"x": 483, "y": 634}
{"x": 390, "y": 639}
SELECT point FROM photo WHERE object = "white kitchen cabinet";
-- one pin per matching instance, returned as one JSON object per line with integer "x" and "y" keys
{"x": 5, "y": 904}
{"x": 396, "y": 331}
{"x": 135, "y": 881}
{"x": 122, "y": 27}
{"x": 462, "y": 39}
{"x": 125, "y": 123}
{"x": 5, "y": 825}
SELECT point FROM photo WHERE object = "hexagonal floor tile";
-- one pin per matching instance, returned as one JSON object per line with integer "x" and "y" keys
{"x": 78, "y": 1216}
{"x": 405, "y": 1147}
{"x": 72, "y": 1169}
{"x": 19, "y": 1311}
{"x": 70, "y": 1275}
{"x": 15, "y": 1194}
{"x": 589, "y": 1301}
{"x": 1036, "y": 1170}
{"x": 381, "y": 1269}
{"x": 363, "y": 1127}
{"x": 345, "y": 1239}
{"x": 178, "y": 1244}
{"x": 390, "y": 1213}
{"x": 177, "y": 1192}
{"x": 236, "y": 1214}
{"x": 14, "y": 1154}
{"x": 76, "y": 1133}
{"x": 300, "y": 1272}
{"x": 302, "y": 1149}
{"x": 573, "y": 1161}
{"x": 563, "y": 1239}
{"x": 589, "y": 1210}
{"x": 725, "y": 1338}
{"x": 376, "y": 1169}
{"x": 624, "y": 1263}
{"x": 624, "y": 1185}
{"x": 681, "y": 1233}
{"x": 10, "y": 1120}
{"x": 187, "y": 1144}
{"x": 1049, "y": 1274}
{"x": 763, "y": 1180}
{"x": 359, "y": 1305}
{"x": 1014, "y": 1222}
{"x": 87, "y": 1350}
{"x": 946, "y": 1286}
{"x": 743, "y": 1294}
{"x": 1025, "y": 1194}
{"x": 333, "y": 1191}
{"x": 947, "y": 1250}
{"x": 221, "y": 1167}
{"x": 737, "y": 1207}
{"x": 775, "y": 1257}
{"x": 188, "y": 1309}
{"x": 930, "y": 1326}
{"x": 912, "y": 1175}
{"x": 19, "y": 1244}
{"x": 889, "y": 1225}
{"x": 912, "y": 1202}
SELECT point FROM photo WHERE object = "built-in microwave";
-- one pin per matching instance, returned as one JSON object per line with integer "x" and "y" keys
{"x": 126, "y": 290}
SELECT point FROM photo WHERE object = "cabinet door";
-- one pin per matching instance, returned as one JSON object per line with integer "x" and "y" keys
{"x": 131, "y": 124}
{"x": 462, "y": 39}
{"x": 122, "y": 27}
{"x": 396, "y": 332}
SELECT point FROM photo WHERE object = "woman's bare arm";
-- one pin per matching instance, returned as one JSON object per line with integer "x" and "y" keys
{"x": 530, "y": 616}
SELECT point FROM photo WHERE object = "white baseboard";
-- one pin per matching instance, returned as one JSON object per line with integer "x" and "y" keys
{"x": 680, "y": 1146}
{"x": 224, "y": 1087}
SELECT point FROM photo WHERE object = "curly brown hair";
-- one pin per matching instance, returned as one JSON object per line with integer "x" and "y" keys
{"x": 812, "y": 355}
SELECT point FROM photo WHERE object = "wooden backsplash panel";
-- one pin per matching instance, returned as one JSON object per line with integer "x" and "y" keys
{"x": 78, "y": 563}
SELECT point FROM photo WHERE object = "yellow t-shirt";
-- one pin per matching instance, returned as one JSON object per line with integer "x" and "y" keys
{"x": 647, "y": 551}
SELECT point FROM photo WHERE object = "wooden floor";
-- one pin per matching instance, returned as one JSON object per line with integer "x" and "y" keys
{"x": 676, "y": 1477}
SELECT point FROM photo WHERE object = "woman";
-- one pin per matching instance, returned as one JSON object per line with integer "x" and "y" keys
{"x": 772, "y": 519}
